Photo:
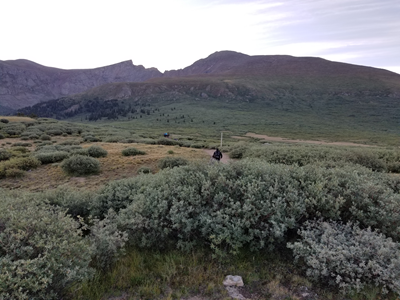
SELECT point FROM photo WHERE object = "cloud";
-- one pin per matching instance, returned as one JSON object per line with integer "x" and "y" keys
{"x": 360, "y": 31}
{"x": 173, "y": 34}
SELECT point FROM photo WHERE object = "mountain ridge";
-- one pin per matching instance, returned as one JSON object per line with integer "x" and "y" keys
{"x": 25, "y": 83}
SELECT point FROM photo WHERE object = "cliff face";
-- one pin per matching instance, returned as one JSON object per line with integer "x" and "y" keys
{"x": 25, "y": 83}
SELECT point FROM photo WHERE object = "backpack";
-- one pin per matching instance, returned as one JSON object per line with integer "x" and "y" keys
{"x": 217, "y": 155}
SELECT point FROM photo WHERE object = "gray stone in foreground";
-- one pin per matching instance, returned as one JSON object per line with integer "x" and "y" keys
{"x": 233, "y": 281}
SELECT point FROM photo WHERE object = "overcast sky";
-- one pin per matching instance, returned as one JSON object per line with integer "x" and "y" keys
{"x": 172, "y": 34}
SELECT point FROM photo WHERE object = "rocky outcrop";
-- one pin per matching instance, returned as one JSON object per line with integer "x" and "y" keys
{"x": 25, "y": 83}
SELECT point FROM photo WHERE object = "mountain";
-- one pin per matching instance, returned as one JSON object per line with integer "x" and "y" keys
{"x": 230, "y": 63}
{"x": 292, "y": 96}
{"x": 25, "y": 83}
{"x": 230, "y": 75}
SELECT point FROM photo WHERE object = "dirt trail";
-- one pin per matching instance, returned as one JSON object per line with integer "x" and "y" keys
{"x": 279, "y": 139}
{"x": 224, "y": 159}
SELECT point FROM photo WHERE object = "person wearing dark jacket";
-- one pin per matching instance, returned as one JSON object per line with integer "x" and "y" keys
{"x": 217, "y": 155}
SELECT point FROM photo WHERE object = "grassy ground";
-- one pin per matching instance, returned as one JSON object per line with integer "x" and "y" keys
{"x": 148, "y": 274}
{"x": 207, "y": 118}
{"x": 114, "y": 166}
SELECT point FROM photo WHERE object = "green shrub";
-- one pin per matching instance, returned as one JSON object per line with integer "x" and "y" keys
{"x": 24, "y": 138}
{"x": 22, "y": 163}
{"x": 113, "y": 139}
{"x": 147, "y": 141}
{"x": 51, "y": 157}
{"x": 4, "y": 121}
{"x": 77, "y": 203}
{"x": 107, "y": 240}
{"x": 351, "y": 193}
{"x": 82, "y": 151}
{"x": 42, "y": 251}
{"x": 20, "y": 144}
{"x": 197, "y": 146}
{"x": 45, "y": 143}
{"x": 394, "y": 167}
{"x": 348, "y": 257}
{"x": 45, "y": 137}
{"x": 2, "y": 136}
{"x": 374, "y": 159}
{"x": 2, "y": 171}
{"x": 128, "y": 141}
{"x": 132, "y": 152}
{"x": 4, "y": 154}
{"x": 20, "y": 149}
{"x": 70, "y": 142}
{"x": 171, "y": 162}
{"x": 248, "y": 202}
{"x": 144, "y": 170}
{"x": 33, "y": 137}
{"x": 14, "y": 129}
{"x": 237, "y": 153}
{"x": 170, "y": 152}
{"x": 14, "y": 173}
{"x": 367, "y": 159}
{"x": 91, "y": 139}
{"x": 81, "y": 165}
{"x": 97, "y": 151}
{"x": 54, "y": 132}
{"x": 168, "y": 142}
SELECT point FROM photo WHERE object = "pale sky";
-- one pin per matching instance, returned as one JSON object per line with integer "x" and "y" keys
{"x": 173, "y": 34}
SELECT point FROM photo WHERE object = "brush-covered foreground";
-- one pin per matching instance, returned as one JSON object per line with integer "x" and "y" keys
{"x": 295, "y": 221}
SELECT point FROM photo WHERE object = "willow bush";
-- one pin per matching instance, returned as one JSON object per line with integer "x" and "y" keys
{"x": 51, "y": 157}
{"x": 42, "y": 251}
{"x": 172, "y": 162}
{"x": 380, "y": 160}
{"x": 250, "y": 202}
{"x": 4, "y": 154}
{"x": 347, "y": 256}
{"x": 81, "y": 165}
{"x": 97, "y": 151}
{"x": 132, "y": 152}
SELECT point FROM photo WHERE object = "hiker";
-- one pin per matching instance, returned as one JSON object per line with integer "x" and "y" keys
{"x": 217, "y": 155}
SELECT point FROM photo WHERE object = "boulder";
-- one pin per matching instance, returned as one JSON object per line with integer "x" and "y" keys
{"x": 233, "y": 281}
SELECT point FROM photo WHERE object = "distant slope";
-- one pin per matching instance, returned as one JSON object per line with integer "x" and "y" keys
{"x": 230, "y": 63}
{"x": 291, "y": 96}
{"x": 25, "y": 83}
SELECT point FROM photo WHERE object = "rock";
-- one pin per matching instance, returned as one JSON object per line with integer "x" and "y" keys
{"x": 233, "y": 281}
{"x": 234, "y": 293}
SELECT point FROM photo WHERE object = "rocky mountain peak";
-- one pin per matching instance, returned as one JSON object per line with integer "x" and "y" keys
{"x": 25, "y": 83}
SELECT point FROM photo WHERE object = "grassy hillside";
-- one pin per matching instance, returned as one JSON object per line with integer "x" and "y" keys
{"x": 304, "y": 98}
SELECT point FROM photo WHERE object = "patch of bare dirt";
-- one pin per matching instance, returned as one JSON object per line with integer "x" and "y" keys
{"x": 280, "y": 139}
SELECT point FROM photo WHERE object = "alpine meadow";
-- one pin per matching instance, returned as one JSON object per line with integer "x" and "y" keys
{"x": 108, "y": 189}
